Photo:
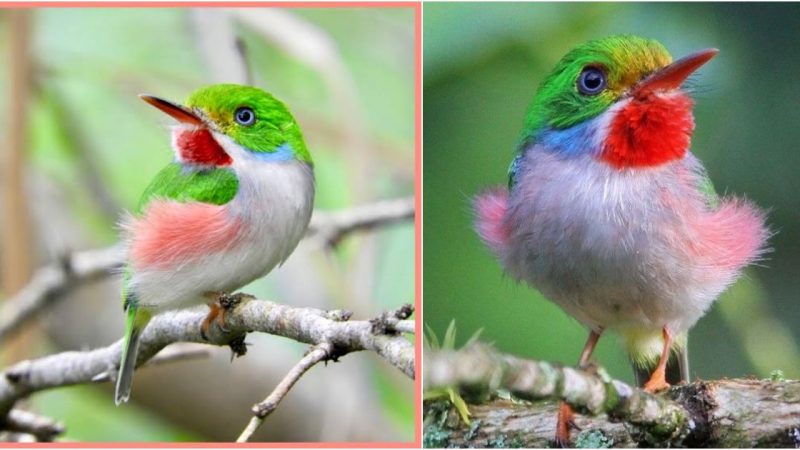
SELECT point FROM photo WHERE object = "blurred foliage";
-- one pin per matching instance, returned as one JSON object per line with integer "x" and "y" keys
{"x": 92, "y": 63}
{"x": 448, "y": 394}
{"x": 482, "y": 64}
{"x": 85, "y": 411}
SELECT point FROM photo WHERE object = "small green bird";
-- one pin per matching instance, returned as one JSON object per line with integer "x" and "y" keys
{"x": 609, "y": 214}
{"x": 233, "y": 204}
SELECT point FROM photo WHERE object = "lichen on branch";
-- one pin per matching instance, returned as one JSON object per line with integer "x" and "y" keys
{"x": 726, "y": 413}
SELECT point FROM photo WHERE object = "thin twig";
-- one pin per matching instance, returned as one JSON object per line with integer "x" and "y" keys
{"x": 395, "y": 321}
{"x": 77, "y": 142}
{"x": 181, "y": 351}
{"x": 309, "y": 44}
{"x": 330, "y": 227}
{"x": 263, "y": 409}
{"x": 405, "y": 326}
{"x": 241, "y": 50}
{"x": 306, "y": 325}
{"x": 215, "y": 36}
{"x": 50, "y": 282}
{"x": 44, "y": 429}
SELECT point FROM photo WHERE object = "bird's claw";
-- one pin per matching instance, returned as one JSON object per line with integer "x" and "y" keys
{"x": 223, "y": 302}
{"x": 221, "y": 324}
{"x": 565, "y": 423}
{"x": 653, "y": 386}
{"x": 231, "y": 301}
{"x": 657, "y": 381}
{"x": 238, "y": 347}
{"x": 205, "y": 326}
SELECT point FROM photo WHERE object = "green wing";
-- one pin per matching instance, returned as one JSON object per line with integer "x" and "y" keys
{"x": 175, "y": 182}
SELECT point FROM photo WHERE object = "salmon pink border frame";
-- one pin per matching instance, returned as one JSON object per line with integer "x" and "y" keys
{"x": 417, "y": 8}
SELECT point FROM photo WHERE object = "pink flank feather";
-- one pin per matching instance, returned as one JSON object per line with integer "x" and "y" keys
{"x": 490, "y": 209}
{"x": 170, "y": 233}
{"x": 730, "y": 237}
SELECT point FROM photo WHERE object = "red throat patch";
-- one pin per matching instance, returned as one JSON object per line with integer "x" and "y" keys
{"x": 197, "y": 146}
{"x": 649, "y": 131}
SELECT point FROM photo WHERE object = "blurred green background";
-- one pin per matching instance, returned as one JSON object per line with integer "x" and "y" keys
{"x": 482, "y": 64}
{"x": 347, "y": 74}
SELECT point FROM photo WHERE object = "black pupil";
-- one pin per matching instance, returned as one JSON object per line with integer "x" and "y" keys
{"x": 244, "y": 115}
{"x": 592, "y": 80}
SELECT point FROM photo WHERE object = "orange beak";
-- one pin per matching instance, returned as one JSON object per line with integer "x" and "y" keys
{"x": 178, "y": 112}
{"x": 673, "y": 75}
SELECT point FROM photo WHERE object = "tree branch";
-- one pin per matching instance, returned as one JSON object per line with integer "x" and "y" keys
{"x": 307, "y": 325}
{"x": 330, "y": 227}
{"x": 50, "y": 282}
{"x": 263, "y": 409}
{"x": 740, "y": 413}
{"x": 44, "y": 429}
{"x": 180, "y": 351}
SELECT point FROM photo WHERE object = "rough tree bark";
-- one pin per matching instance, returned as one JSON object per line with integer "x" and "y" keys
{"x": 722, "y": 413}
{"x": 307, "y": 325}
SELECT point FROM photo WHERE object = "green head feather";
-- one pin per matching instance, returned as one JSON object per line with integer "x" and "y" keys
{"x": 273, "y": 127}
{"x": 625, "y": 59}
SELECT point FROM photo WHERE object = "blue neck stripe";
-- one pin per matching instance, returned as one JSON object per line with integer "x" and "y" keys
{"x": 283, "y": 153}
{"x": 573, "y": 141}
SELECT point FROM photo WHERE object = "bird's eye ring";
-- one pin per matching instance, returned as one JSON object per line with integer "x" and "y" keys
{"x": 244, "y": 116}
{"x": 592, "y": 80}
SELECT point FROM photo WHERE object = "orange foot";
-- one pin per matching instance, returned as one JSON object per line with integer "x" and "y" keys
{"x": 566, "y": 421}
{"x": 216, "y": 311}
{"x": 653, "y": 387}
{"x": 657, "y": 382}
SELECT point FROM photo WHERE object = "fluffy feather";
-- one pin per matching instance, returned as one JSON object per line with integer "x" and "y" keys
{"x": 179, "y": 252}
{"x": 628, "y": 250}
{"x": 649, "y": 131}
{"x": 490, "y": 207}
{"x": 170, "y": 233}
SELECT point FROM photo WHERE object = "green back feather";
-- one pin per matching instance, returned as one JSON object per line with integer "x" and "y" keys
{"x": 175, "y": 182}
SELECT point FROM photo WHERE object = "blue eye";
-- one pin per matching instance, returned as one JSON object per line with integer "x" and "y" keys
{"x": 244, "y": 116}
{"x": 591, "y": 81}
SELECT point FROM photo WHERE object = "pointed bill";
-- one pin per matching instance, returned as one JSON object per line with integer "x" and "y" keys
{"x": 178, "y": 112}
{"x": 673, "y": 75}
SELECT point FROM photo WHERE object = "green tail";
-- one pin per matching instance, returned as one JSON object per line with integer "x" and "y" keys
{"x": 134, "y": 325}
